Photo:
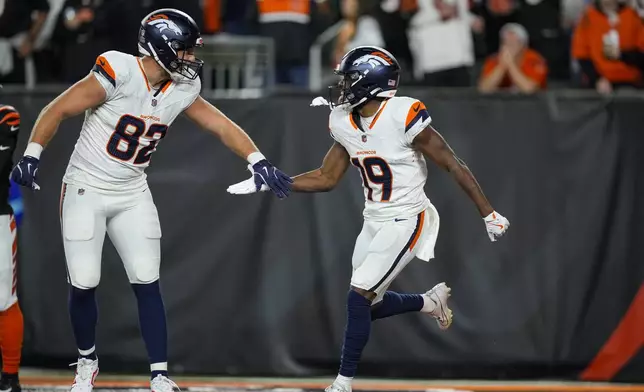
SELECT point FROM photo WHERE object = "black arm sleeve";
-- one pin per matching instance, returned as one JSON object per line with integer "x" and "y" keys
{"x": 589, "y": 70}
{"x": 634, "y": 58}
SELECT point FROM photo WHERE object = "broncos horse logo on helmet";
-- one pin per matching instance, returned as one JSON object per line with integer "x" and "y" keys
{"x": 367, "y": 73}
{"x": 164, "y": 33}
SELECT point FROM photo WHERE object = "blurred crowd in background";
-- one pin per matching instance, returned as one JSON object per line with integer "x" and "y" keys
{"x": 522, "y": 45}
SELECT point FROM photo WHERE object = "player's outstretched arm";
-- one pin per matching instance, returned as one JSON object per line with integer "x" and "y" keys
{"x": 432, "y": 144}
{"x": 325, "y": 178}
{"x": 213, "y": 120}
{"x": 232, "y": 136}
{"x": 84, "y": 94}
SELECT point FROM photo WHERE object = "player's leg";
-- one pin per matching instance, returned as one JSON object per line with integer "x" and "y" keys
{"x": 382, "y": 251}
{"x": 432, "y": 302}
{"x": 83, "y": 229}
{"x": 358, "y": 324}
{"x": 135, "y": 231}
{"x": 11, "y": 321}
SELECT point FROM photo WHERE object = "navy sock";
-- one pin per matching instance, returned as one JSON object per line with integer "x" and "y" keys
{"x": 152, "y": 321}
{"x": 83, "y": 312}
{"x": 356, "y": 333}
{"x": 393, "y": 303}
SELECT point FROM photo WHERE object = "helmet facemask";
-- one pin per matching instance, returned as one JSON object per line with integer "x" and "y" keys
{"x": 343, "y": 94}
{"x": 181, "y": 65}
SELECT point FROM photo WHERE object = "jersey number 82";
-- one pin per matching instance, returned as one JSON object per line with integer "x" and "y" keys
{"x": 127, "y": 133}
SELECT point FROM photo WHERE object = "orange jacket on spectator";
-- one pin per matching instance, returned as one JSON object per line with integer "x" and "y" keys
{"x": 533, "y": 65}
{"x": 298, "y": 11}
{"x": 588, "y": 46}
{"x": 212, "y": 16}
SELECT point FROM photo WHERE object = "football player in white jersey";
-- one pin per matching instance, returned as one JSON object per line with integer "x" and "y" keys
{"x": 129, "y": 103}
{"x": 387, "y": 139}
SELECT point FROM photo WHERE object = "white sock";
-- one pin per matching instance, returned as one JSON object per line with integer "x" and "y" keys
{"x": 344, "y": 381}
{"x": 428, "y": 304}
{"x": 86, "y": 353}
{"x": 159, "y": 367}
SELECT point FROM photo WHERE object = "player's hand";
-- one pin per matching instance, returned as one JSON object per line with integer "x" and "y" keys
{"x": 25, "y": 172}
{"x": 496, "y": 225}
{"x": 247, "y": 186}
{"x": 264, "y": 173}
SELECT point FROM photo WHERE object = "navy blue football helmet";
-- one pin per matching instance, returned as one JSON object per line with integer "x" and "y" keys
{"x": 367, "y": 73}
{"x": 166, "y": 31}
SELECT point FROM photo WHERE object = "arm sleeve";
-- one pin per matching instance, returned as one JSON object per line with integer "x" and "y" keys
{"x": 417, "y": 118}
{"x": 111, "y": 72}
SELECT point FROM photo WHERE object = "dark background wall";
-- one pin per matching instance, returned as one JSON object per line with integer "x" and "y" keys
{"x": 256, "y": 286}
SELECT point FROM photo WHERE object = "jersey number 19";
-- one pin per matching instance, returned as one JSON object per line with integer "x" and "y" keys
{"x": 383, "y": 177}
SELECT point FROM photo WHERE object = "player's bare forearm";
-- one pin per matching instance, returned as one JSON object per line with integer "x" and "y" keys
{"x": 325, "y": 178}
{"x": 84, "y": 94}
{"x": 231, "y": 135}
{"x": 432, "y": 144}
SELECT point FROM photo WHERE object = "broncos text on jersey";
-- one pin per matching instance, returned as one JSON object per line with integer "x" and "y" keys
{"x": 119, "y": 136}
{"x": 380, "y": 147}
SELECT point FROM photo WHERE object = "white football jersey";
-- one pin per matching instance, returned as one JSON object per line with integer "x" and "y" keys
{"x": 119, "y": 136}
{"x": 393, "y": 173}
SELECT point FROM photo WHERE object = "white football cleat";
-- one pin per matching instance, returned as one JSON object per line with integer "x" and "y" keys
{"x": 162, "y": 383}
{"x": 336, "y": 387}
{"x": 442, "y": 313}
{"x": 86, "y": 372}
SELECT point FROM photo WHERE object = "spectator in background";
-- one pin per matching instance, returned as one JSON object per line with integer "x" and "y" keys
{"x": 78, "y": 38}
{"x": 608, "y": 43}
{"x": 440, "y": 38}
{"x": 543, "y": 19}
{"x": 393, "y": 17}
{"x": 359, "y": 29}
{"x": 496, "y": 13}
{"x": 288, "y": 24}
{"x": 20, "y": 25}
{"x": 515, "y": 66}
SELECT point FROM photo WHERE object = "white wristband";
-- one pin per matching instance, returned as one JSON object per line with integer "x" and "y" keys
{"x": 33, "y": 150}
{"x": 255, "y": 157}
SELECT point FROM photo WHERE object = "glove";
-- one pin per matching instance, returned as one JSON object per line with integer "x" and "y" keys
{"x": 496, "y": 225}
{"x": 265, "y": 173}
{"x": 247, "y": 186}
{"x": 25, "y": 172}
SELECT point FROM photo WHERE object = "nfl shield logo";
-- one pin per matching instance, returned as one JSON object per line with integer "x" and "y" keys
{"x": 81, "y": 192}
{"x": 154, "y": 102}
{"x": 364, "y": 138}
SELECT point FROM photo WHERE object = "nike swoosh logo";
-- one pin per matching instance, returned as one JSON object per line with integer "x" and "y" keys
{"x": 102, "y": 62}
{"x": 2, "y": 148}
{"x": 15, "y": 128}
{"x": 417, "y": 107}
{"x": 399, "y": 220}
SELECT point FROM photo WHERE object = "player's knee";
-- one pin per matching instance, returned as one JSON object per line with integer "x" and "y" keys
{"x": 370, "y": 295}
{"x": 145, "y": 273}
{"x": 84, "y": 280}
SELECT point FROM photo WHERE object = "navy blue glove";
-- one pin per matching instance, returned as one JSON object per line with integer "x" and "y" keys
{"x": 264, "y": 173}
{"x": 25, "y": 172}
